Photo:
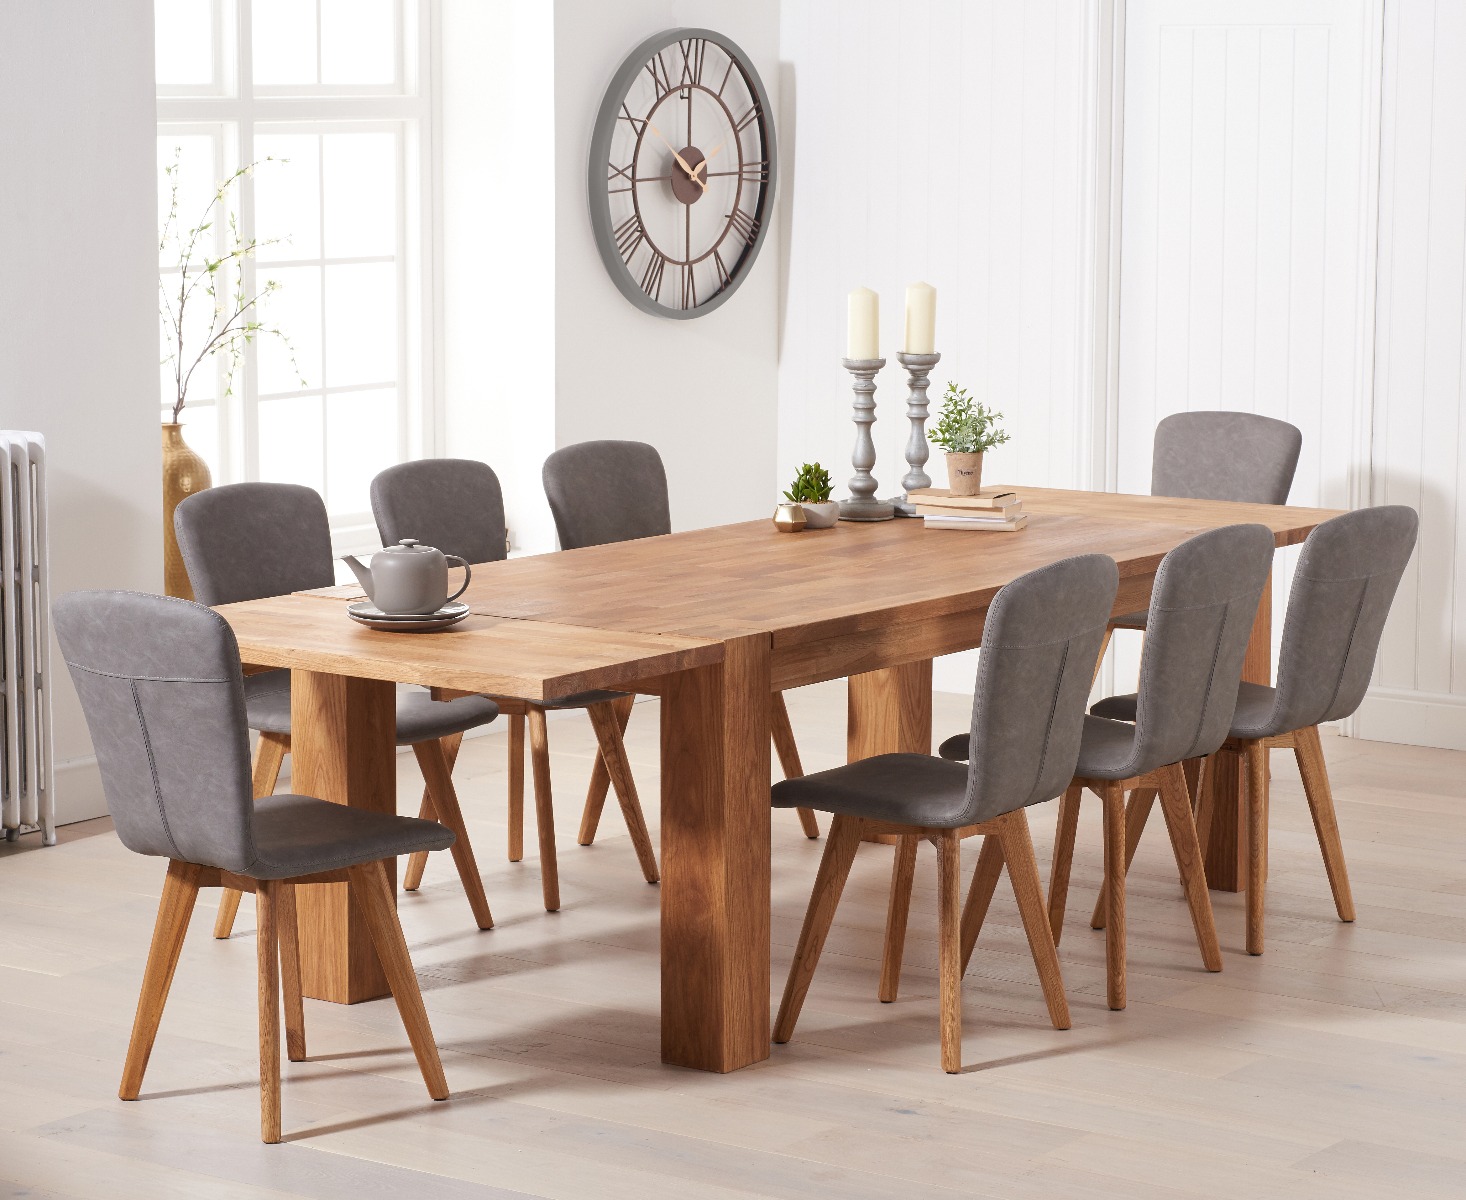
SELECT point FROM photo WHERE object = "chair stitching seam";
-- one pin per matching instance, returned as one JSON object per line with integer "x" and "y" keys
{"x": 153, "y": 770}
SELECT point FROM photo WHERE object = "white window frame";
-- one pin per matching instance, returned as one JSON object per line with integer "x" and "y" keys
{"x": 233, "y": 114}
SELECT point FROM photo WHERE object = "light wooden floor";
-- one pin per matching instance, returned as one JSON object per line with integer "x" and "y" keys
{"x": 1334, "y": 1067}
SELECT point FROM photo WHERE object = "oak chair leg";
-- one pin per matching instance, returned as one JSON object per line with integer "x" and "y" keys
{"x": 898, "y": 909}
{"x": 417, "y": 862}
{"x": 269, "y": 754}
{"x": 1017, "y": 850}
{"x": 1114, "y": 815}
{"x": 516, "y": 787}
{"x": 1137, "y": 812}
{"x": 539, "y": 747}
{"x": 267, "y": 948}
{"x": 287, "y": 932}
{"x": 608, "y": 726}
{"x": 373, "y": 893}
{"x": 980, "y": 893}
{"x": 600, "y": 776}
{"x": 435, "y": 760}
{"x": 949, "y": 945}
{"x": 1308, "y": 750}
{"x": 1063, "y": 859}
{"x": 180, "y": 890}
{"x": 1181, "y": 825}
{"x": 788, "y": 751}
{"x": 840, "y": 846}
{"x": 1099, "y": 660}
{"x": 1257, "y": 822}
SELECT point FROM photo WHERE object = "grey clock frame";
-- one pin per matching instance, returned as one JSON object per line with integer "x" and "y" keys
{"x": 600, "y": 155}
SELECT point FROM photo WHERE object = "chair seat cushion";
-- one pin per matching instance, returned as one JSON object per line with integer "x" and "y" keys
{"x": 1104, "y": 750}
{"x": 906, "y": 789}
{"x": 1135, "y": 620}
{"x": 299, "y": 835}
{"x": 420, "y": 718}
{"x": 956, "y": 748}
{"x": 1253, "y": 718}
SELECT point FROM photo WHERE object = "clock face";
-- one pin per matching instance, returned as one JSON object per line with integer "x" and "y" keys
{"x": 682, "y": 172}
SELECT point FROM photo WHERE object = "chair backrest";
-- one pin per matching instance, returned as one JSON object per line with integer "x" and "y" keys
{"x": 455, "y": 504}
{"x": 1225, "y": 456}
{"x": 1342, "y": 590}
{"x": 160, "y": 684}
{"x": 604, "y": 492}
{"x": 243, "y": 541}
{"x": 1202, "y": 609}
{"x": 1039, "y": 644}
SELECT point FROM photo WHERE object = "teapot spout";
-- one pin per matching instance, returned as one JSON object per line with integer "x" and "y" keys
{"x": 363, "y": 574}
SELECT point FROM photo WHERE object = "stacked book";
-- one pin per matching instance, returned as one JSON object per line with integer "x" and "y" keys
{"x": 991, "y": 509}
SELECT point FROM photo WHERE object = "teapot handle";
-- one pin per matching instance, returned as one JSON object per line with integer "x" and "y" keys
{"x": 455, "y": 561}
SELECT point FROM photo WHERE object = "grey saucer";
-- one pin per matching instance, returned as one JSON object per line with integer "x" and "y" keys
{"x": 366, "y": 613}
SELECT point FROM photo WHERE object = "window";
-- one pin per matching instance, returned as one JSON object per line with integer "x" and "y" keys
{"x": 330, "y": 98}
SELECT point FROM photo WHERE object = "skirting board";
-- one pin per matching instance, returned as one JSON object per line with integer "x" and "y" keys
{"x": 79, "y": 791}
{"x": 1412, "y": 718}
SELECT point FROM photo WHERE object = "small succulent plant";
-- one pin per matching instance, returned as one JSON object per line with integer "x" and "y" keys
{"x": 965, "y": 426}
{"x": 811, "y": 486}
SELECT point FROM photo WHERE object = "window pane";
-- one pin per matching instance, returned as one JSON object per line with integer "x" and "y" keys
{"x": 291, "y": 437}
{"x": 361, "y": 324}
{"x": 358, "y": 41}
{"x": 183, "y": 41}
{"x": 360, "y": 172}
{"x": 284, "y": 42}
{"x": 361, "y": 440}
{"x": 185, "y": 161}
{"x": 288, "y": 196}
{"x": 294, "y": 309}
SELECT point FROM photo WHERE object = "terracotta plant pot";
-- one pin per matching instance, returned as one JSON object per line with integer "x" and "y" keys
{"x": 964, "y": 474}
{"x": 184, "y": 473}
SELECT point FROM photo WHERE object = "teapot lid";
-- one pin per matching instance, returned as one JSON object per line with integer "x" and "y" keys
{"x": 408, "y": 546}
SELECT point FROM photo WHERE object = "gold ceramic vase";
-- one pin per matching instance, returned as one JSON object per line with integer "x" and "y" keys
{"x": 184, "y": 473}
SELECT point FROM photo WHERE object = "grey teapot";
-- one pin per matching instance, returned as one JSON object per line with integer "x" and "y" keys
{"x": 408, "y": 577}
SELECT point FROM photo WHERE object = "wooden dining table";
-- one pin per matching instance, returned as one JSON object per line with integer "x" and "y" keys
{"x": 712, "y": 621}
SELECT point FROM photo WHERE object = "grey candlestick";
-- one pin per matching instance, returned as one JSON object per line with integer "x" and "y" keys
{"x": 918, "y": 368}
{"x": 863, "y": 505}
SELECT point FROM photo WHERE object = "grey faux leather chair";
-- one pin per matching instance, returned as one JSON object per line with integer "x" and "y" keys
{"x": 246, "y": 541}
{"x": 608, "y": 491}
{"x": 1221, "y": 456}
{"x": 1039, "y": 641}
{"x": 160, "y": 684}
{"x": 456, "y": 505}
{"x": 1343, "y": 586}
{"x": 1200, "y": 618}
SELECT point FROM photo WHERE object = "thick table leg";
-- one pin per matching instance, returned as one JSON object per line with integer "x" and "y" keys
{"x": 1226, "y": 773}
{"x": 890, "y": 711}
{"x": 343, "y": 735}
{"x": 715, "y": 861}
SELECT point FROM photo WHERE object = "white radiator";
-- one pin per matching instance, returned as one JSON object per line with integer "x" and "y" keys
{"x": 26, "y": 761}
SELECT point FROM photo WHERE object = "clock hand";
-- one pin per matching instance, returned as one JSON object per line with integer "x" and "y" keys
{"x": 703, "y": 166}
{"x": 681, "y": 162}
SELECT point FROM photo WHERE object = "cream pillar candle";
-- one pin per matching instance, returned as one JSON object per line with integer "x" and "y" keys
{"x": 921, "y": 319}
{"x": 865, "y": 319}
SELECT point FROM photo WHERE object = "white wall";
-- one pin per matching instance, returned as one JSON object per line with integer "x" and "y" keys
{"x": 704, "y": 391}
{"x": 941, "y": 140}
{"x": 78, "y": 280}
{"x": 495, "y": 126}
{"x": 540, "y": 349}
{"x": 1419, "y": 429}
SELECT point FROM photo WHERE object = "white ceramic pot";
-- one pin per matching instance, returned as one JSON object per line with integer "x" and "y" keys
{"x": 822, "y": 515}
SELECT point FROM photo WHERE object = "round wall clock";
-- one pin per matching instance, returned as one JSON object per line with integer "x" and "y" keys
{"x": 681, "y": 172}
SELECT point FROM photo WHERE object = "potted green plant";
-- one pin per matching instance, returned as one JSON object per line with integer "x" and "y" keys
{"x": 965, "y": 429}
{"x": 811, "y": 491}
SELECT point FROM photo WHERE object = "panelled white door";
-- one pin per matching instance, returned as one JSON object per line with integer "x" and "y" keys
{"x": 1247, "y": 232}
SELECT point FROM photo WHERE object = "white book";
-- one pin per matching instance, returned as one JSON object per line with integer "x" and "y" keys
{"x": 991, "y": 524}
